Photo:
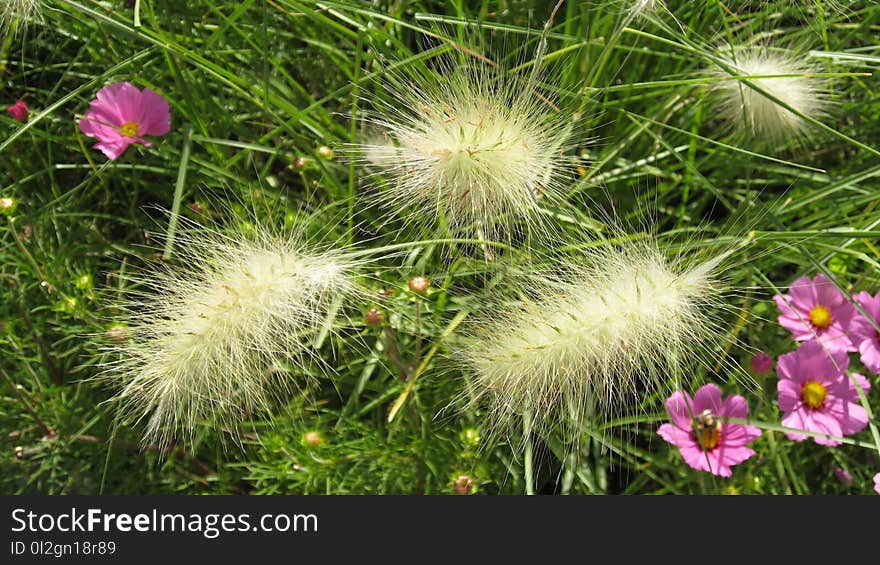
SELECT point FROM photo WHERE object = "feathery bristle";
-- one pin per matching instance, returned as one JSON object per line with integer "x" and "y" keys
{"x": 24, "y": 11}
{"x": 606, "y": 336}
{"x": 471, "y": 144}
{"x": 208, "y": 343}
{"x": 747, "y": 109}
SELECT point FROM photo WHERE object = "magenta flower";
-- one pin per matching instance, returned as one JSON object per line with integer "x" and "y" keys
{"x": 121, "y": 115}
{"x": 761, "y": 363}
{"x": 815, "y": 309}
{"x": 864, "y": 335}
{"x": 698, "y": 429}
{"x": 19, "y": 111}
{"x": 816, "y": 395}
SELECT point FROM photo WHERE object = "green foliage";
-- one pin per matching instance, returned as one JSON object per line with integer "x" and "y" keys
{"x": 266, "y": 85}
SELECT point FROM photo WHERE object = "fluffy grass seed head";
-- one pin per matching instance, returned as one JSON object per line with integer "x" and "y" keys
{"x": 784, "y": 75}
{"x": 468, "y": 142}
{"x": 209, "y": 343}
{"x": 603, "y": 337}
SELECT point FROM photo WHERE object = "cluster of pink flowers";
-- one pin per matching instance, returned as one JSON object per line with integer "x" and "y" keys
{"x": 816, "y": 393}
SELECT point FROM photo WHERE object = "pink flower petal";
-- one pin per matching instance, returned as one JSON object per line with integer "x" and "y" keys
{"x": 100, "y": 122}
{"x": 788, "y": 394}
{"x": 675, "y": 435}
{"x": 696, "y": 458}
{"x": 835, "y": 340}
{"x": 817, "y": 422}
{"x": 793, "y": 320}
{"x": 107, "y": 101}
{"x": 735, "y": 406}
{"x": 126, "y": 98}
{"x": 863, "y": 383}
{"x": 678, "y": 406}
{"x": 803, "y": 291}
{"x": 870, "y": 304}
{"x": 112, "y": 149}
{"x": 822, "y": 422}
{"x": 816, "y": 363}
{"x": 155, "y": 114}
{"x": 708, "y": 398}
{"x": 870, "y": 355}
{"x": 729, "y": 456}
{"x": 737, "y": 435}
{"x": 827, "y": 294}
{"x": 716, "y": 464}
{"x": 787, "y": 367}
{"x": 854, "y": 419}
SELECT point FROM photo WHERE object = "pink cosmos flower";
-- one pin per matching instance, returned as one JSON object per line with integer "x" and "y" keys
{"x": 877, "y": 483}
{"x": 706, "y": 442}
{"x": 121, "y": 115}
{"x": 815, "y": 309}
{"x": 816, "y": 395}
{"x": 19, "y": 111}
{"x": 864, "y": 335}
{"x": 761, "y": 363}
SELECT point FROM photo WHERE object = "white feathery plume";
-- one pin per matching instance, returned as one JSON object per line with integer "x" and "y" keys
{"x": 471, "y": 143}
{"x": 783, "y": 74}
{"x": 210, "y": 342}
{"x": 605, "y": 336}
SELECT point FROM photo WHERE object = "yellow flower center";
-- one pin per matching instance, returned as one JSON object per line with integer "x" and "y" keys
{"x": 813, "y": 394}
{"x": 130, "y": 129}
{"x": 707, "y": 430}
{"x": 820, "y": 317}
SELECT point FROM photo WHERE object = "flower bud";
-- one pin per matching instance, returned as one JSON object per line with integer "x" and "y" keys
{"x": 325, "y": 153}
{"x": 470, "y": 437}
{"x": 312, "y": 438}
{"x": 299, "y": 163}
{"x": 84, "y": 282}
{"x": 419, "y": 284}
{"x": 19, "y": 111}
{"x": 373, "y": 317}
{"x": 8, "y": 206}
{"x": 761, "y": 363}
{"x": 117, "y": 333}
{"x": 463, "y": 485}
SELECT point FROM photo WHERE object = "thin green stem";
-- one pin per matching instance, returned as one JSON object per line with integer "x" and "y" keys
{"x": 178, "y": 191}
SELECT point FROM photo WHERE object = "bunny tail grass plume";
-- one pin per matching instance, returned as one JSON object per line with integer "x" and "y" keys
{"x": 607, "y": 334}
{"x": 782, "y": 74}
{"x": 214, "y": 342}
{"x": 469, "y": 143}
